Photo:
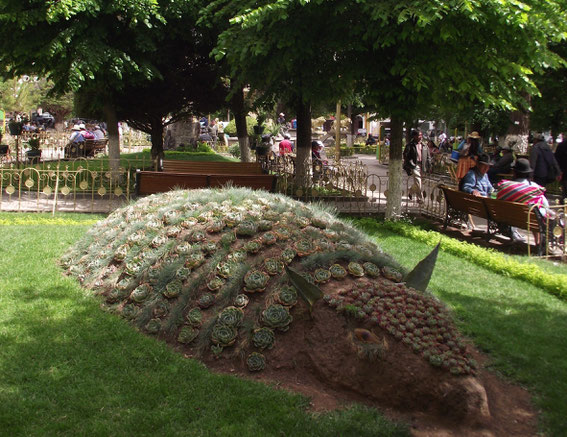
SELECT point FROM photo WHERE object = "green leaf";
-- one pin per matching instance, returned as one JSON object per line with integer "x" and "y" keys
{"x": 309, "y": 292}
{"x": 420, "y": 276}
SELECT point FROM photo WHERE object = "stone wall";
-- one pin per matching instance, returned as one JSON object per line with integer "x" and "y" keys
{"x": 181, "y": 133}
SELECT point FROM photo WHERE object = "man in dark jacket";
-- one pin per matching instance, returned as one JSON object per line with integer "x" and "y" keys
{"x": 546, "y": 168}
{"x": 412, "y": 160}
{"x": 561, "y": 158}
{"x": 502, "y": 165}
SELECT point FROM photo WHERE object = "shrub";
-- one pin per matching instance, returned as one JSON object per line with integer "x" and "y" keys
{"x": 230, "y": 128}
{"x": 234, "y": 150}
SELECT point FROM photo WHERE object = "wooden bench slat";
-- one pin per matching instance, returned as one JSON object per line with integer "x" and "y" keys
{"x": 212, "y": 167}
{"x": 256, "y": 182}
{"x": 512, "y": 213}
{"x": 465, "y": 202}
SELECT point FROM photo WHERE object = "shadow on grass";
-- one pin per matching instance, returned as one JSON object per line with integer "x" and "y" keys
{"x": 68, "y": 368}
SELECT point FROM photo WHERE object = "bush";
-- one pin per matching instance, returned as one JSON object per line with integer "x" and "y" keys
{"x": 234, "y": 150}
{"x": 201, "y": 148}
{"x": 230, "y": 128}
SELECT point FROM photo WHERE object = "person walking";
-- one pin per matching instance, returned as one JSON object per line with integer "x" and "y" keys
{"x": 543, "y": 162}
{"x": 413, "y": 154}
{"x": 561, "y": 158}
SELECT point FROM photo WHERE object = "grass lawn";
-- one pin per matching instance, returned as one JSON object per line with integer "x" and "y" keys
{"x": 522, "y": 328}
{"x": 68, "y": 368}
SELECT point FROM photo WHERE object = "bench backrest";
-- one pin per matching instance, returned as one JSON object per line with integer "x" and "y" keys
{"x": 231, "y": 168}
{"x": 464, "y": 202}
{"x": 151, "y": 182}
{"x": 513, "y": 214}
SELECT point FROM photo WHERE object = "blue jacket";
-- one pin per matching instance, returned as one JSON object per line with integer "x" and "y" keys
{"x": 474, "y": 181}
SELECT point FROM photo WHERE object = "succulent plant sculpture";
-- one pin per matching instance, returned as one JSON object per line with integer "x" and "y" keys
{"x": 255, "y": 281}
{"x": 174, "y": 264}
{"x": 256, "y": 362}
{"x": 263, "y": 338}
{"x": 277, "y": 317}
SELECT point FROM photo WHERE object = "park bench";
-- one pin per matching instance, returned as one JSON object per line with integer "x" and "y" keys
{"x": 217, "y": 168}
{"x": 499, "y": 214}
{"x": 151, "y": 182}
{"x": 85, "y": 148}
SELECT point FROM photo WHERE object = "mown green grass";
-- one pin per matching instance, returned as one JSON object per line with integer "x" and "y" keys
{"x": 521, "y": 327}
{"x": 68, "y": 368}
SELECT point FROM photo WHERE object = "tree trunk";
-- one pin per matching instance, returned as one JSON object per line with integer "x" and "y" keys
{"x": 113, "y": 139}
{"x": 394, "y": 200}
{"x": 302, "y": 170}
{"x": 157, "y": 138}
{"x": 241, "y": 128}
{"x": 351, "y": 135}
{"x": 519, "y": 130}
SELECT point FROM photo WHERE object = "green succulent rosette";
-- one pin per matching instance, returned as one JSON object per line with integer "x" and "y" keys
{"x": 355, "y": 269}
{"x": 241, "y": 300}
{"x": 215, "y": 226}
{"x": 271, "y": 215}
{"x": 215, "y": 283}
{"x": 263, "y": 338}
{"x": 277, "y": 316}
{"x": 173, "y": 231}
{"x": 154, "y": 274}
{"x": 371, "y": 269}
{"x": 173, "y": 289}
{"x": 198, "y": 235}
{"x": 304, "y": 247}
{"x": 121, "y": 253}
{"x": 246, "y": 228}
{"x": 141, "y": 293}
{"x": 153, "y": 326}
{"x": 265, "y": 225}
{"x": 117, "y": 294}
{"x": 206, "y": 300}
{"x": 253, "y": 246}
{"x": 216, "y": 349}
{"x": 194, "y": 317}
{"x": 160, "y": 309}
{"x": 129, "y": 311}
{"x": 183, "y": 248}
{"x": 273, "y": 266}
{"x": 337, "y": 271}
{"x": 231, "y": 316}
{"x": 238, "y": 256}
{"x": 256, "y": 362}
{"x": 319, "y": 222}
{"x": 194, "y": 259}
{"x": 323, "y": 245}
{"x": 182, "y": 273}
{"x": 228, "y": 238}
{"x": 321, "y": 276}
{"x": 269, "y": 238}
{"x": 283, "y": 233}
{"x": 159, "y": 241}
{"x": 392, "y": 274}
{"x": 210, "y": 247}
{"x": 226, "y": 269}
{"x": 255, "y": 281}
{"x": 288, "y": 255}
{"x": 133, "y": 267}
{"x": 287, "y": 296}
{"x": 224, "y": 335}
{"x": 302, "y": 222}
{"x": 189, "y": 223}
{"x": 187, "y": 334}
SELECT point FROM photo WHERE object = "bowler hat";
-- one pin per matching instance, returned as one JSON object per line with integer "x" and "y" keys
{"x": 484, "y": 159}
{"x": 522, "y": 165}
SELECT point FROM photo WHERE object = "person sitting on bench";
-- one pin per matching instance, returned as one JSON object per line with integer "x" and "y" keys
{"x": 476, "y": 181}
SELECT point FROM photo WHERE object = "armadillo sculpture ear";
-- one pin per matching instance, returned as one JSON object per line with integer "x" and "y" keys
{"x": 420, "y": 276}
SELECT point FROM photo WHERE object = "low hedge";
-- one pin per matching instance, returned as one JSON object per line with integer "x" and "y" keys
{"x": 487, "y": 258}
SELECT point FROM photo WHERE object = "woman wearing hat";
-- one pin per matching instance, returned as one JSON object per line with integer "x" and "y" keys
{"x": 469, "y": 152}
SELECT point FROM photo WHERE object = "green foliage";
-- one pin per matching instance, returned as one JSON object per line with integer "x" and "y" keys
{"x": 488, "y": 258}
{"x": 230, "y": 128}
{"x": 234, "y": 150}
{"x": 201, "y": 148}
